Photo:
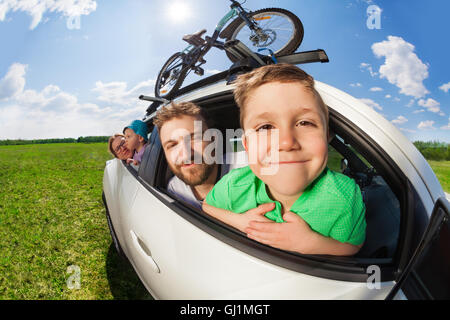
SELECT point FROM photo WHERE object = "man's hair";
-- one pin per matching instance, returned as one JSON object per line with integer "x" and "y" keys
{"x": 177, "y": 110}
{"x": 283, "y": 73}
{"x": 110, "y": 141}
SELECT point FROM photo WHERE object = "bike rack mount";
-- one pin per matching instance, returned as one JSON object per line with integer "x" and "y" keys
{"x": 247, "y": 60}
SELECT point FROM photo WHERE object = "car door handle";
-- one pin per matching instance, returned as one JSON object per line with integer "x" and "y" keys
{"x": 143, "y": 250}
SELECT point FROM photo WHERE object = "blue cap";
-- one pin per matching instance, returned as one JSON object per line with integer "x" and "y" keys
{"x": 139, "y": 127}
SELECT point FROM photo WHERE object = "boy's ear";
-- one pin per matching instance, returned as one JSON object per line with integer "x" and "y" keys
{"x": 244, "y": 142}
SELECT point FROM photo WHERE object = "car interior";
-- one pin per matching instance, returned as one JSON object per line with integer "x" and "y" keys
{"x": 346, "y": 154}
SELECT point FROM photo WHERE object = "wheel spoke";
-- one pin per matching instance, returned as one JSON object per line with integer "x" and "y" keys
{"x": 278, "y": 28}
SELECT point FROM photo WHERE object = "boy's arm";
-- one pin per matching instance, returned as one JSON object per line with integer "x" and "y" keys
{"x": 239, "y": 221}
{"x": 296, "y": 235}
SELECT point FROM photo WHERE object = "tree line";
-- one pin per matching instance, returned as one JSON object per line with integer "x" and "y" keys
{"x": 431, "y": 150}
{"x": 88, "y": 139}
{"x": 434, "y": 150}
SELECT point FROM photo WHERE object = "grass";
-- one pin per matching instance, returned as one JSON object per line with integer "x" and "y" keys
{"x": 442, "y": 171}
{"x": 52, "y": 217}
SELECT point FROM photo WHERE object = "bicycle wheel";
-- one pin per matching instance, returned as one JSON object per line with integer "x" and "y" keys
{"x": 171, "y": 76}
{"x": 279, "y": 30}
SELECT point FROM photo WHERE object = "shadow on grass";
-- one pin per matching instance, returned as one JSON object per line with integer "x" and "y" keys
{"x": 123, "y": 280}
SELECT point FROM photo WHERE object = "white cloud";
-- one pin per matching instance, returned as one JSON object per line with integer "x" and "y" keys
{"x": 13, "y": 82}
{"x": 402, "y": 67}
{"x": 388, "y": 96}
{"x": 376, "y": 89}
{"x": 431, "y": 104}
{"x": 445, "y": 87}
{"x": 419, "y": 111}
{"x": 428, "y": 124}
{"x": 356, "y": 85}
{"x": 37, "y": 8}
{"x": 371, "y": 103}
{"x": 408, "y": 130}
{"x": 117, "y": 93}
{"x": 367, "y": 67}
{"x": 400, "y": 120}
{"x": 447, "y": 127}
{"x": 54, "y": 113}
{"x": 411, "y": 103}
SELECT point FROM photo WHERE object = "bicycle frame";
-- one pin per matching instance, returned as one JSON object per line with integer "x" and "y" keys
{"x": 193, "y": 54}
{"x": 236, "y": 10}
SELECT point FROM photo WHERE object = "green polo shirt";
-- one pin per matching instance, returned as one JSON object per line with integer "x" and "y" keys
{"x": 332, "y": 204}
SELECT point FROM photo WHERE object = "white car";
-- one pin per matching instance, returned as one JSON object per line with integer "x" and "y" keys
{"x": 179, "y": 252}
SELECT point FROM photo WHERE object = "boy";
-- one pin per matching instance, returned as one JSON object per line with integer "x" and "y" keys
{"x": 136, "y": 139}
{"x": 286, "y": 138}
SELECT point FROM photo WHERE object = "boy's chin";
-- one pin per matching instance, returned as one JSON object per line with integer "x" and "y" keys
{"x": 288, "y": 190}
{"x": 286, "y": 183}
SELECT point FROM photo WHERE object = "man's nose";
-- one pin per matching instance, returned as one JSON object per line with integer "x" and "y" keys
{"x": 183, "y": 152}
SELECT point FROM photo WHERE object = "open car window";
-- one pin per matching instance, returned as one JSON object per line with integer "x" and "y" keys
{"x": 349, "y": 154}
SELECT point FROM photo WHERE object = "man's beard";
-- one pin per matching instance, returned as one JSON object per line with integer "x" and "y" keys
{"x": 197, "y": 175}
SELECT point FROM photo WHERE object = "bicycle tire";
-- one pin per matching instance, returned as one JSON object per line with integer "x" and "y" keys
{"x": 235, "y": 27}
{"x": 162, "y": 78}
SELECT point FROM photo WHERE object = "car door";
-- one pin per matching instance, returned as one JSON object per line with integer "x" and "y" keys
{"x": 427, "y": 276}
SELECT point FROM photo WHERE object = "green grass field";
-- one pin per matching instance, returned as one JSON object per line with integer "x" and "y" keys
{"x": 52, "y": 217}
{"x": 442, "y": 171}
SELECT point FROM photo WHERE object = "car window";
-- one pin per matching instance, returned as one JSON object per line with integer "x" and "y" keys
{"x": 382, "y": 206}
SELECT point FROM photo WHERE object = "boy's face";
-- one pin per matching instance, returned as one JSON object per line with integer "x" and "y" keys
{"x": 286, "y": 137}
{"x": 133, "y": 140}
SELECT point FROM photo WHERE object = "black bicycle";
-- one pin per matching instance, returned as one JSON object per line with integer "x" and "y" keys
{"x": 278, "y": 30}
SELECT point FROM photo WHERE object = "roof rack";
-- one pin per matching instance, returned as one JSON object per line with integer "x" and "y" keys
{"x": 248, "y": 60}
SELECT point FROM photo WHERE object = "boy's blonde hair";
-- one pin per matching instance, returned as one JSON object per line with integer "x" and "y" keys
{"x": 283, "y": 73}
{"x": 176, "y": 110}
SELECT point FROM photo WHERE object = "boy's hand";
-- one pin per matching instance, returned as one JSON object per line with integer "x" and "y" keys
{"x": 239, "y": 221}
{"x": 292, "y": 235}
{"x": 296, "y": 235}
{"x": 255, "y": 214}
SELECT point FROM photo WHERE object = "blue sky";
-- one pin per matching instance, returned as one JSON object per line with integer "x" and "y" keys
{"x": 62, "y": 76}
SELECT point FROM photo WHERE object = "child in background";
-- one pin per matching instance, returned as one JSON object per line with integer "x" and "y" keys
{"x": 136, "y": 140}
{"x": 323, "y": 210}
